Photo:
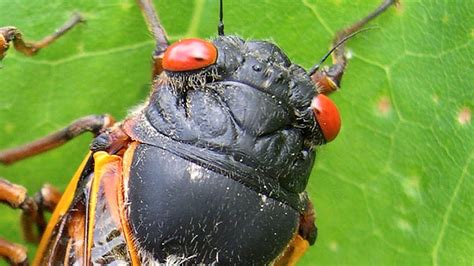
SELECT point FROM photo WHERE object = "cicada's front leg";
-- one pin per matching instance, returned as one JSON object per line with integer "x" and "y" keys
{"x": 11, "y": 34}
{"x": 92, "y": 123}
{"x": 158, "y": 32}
{"x": 329, "y": 78}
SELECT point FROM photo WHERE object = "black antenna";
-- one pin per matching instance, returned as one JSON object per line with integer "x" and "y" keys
{"x": 318, "y": 65}
{"x": 220, "y": 27}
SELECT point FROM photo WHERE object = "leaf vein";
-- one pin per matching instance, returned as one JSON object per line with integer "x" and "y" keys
{"x": 318, "y": 17}
{"x": 442, "y": 232}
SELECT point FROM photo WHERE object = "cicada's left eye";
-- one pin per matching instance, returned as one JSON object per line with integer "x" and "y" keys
{"x": 327, "y": 116}
{"x": 189, "y": 54}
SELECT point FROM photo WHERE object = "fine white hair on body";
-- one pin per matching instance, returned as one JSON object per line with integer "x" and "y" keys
{"x": 171, "y": 260}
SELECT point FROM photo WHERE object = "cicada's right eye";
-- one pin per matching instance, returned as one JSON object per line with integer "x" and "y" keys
{"x": 327, "y": 116}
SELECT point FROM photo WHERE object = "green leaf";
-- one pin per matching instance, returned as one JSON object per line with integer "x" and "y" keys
{"x": 395, "y": 187}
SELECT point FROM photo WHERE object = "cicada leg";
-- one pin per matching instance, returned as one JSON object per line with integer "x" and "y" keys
{"x": 46, "y": 200}
{"x": 32, "y": 215}
{"x": 158, "y": 32}
{"x": 33, "y": 208}
{"x": 12, "y": 34}
{"x": 48, "y": 197}
{"x": 329, "y": 78}
{"x": 15, "y": 254}
{"x": 92, "y": 123}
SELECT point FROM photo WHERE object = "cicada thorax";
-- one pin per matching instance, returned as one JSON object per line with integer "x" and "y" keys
{"x": 222, "y": 165}
{"x": 254, "y": 111}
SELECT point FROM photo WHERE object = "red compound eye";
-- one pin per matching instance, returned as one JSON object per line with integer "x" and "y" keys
{"x": 327, "y": 115}
{"x": 189, "y": 54}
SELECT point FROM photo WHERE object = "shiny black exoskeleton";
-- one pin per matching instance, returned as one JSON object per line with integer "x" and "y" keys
{"x": 225, "y": 158}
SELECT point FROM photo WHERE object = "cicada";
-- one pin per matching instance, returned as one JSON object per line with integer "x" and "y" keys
{"x": 211, "y": 169}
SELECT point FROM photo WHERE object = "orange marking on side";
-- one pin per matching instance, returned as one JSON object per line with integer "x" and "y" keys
{"x": 293, "y": 252}
{"x": 59, "y": 211}
{"x": 105, "y": 164}
{"x": 123, "y": 204}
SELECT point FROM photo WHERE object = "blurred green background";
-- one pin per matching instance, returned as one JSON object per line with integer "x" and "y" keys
{"x": 395, "y": 187}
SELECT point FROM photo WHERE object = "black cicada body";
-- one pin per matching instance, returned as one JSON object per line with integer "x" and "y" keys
{"x": 225, "y": 151}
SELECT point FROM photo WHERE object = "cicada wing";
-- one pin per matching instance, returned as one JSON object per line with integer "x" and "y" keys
{"x": 85, "y": 227}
